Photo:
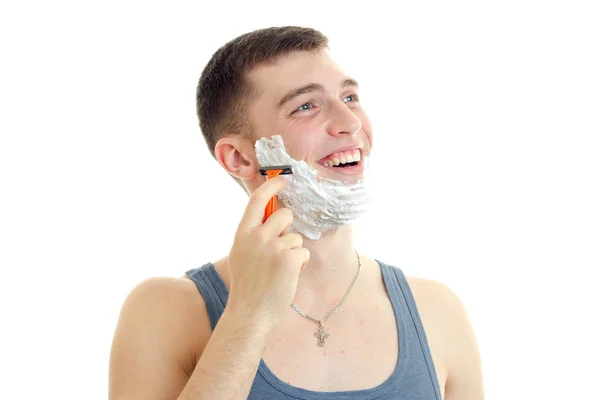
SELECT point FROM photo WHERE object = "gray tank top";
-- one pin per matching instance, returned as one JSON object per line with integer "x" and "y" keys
{"x": 414, "y": 377}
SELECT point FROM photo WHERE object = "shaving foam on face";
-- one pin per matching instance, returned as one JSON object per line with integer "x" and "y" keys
{"x": 318, "y": 204}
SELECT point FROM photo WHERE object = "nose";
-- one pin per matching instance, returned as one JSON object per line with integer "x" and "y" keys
{"x": 343, "y": 121}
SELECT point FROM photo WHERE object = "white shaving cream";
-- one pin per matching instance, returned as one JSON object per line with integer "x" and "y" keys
{"x": 318, "y": 204}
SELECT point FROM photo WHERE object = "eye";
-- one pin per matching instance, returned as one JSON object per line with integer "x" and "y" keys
{"x": 353, "y": 98}
{"x": 304, "y": 107}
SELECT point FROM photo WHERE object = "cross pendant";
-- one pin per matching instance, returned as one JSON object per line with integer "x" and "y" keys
{"x": 321, "y": 335}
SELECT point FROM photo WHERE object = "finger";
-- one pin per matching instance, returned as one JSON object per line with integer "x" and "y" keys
{"x": 303, "y": 256}
{"x": 291, "y": 240}
{"x": 255, "y": 209}
{"x": 278, "y": 222}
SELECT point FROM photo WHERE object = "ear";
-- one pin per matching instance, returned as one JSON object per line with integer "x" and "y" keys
{"x": 237, "y": 155}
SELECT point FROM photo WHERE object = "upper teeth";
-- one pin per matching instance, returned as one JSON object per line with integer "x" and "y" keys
{"x": 346, "y": 157}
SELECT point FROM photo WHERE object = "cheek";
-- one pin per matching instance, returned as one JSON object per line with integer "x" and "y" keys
{"x": 298, "y": 145}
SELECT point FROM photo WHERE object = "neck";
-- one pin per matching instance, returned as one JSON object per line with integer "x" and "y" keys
{"x": 332, "y": 266}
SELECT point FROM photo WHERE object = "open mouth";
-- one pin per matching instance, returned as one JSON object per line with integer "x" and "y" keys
{"x": 347, "y": 165}
{"x": 344, "y": 159}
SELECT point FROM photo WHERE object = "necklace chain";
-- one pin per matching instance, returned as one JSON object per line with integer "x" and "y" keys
{"x": 337, "y": 308}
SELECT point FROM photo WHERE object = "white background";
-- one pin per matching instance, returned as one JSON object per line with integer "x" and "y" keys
{"x": 486, "y": 167}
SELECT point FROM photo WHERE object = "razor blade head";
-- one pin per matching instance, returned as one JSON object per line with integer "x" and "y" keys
{"x": 282, "y": 169}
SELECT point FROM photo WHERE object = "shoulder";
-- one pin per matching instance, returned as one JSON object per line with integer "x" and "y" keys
{"x": 440, "y": 308}
{"x": 152, "y": 297}
{"x": 172, "y": 302}
{"x": 162, "y": 329}
{"x": 431, "y": 293}
{"x": 451, "y": 336}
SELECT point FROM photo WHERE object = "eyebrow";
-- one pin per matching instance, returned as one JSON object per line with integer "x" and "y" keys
{"x": 349, "y": 82}
{"x": 312, "y": 87}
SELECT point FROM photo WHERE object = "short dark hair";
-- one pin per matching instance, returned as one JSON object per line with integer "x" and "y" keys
{"x": 223, "y": 90}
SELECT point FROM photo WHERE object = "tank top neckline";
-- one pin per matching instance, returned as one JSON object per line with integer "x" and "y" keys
{"x": 394, "y": 294}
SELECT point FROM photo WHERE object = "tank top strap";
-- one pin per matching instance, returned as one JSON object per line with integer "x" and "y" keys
{"x": 402, "y": 297}
{"x": 213, "y": 290}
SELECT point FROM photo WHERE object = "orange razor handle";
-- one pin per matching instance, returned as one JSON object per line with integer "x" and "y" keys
{"x": 272, "y": 172}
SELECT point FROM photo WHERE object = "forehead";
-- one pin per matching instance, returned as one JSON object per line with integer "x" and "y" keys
{"x": 296, "y": 69}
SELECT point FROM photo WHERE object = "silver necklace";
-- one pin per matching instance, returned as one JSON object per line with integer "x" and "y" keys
{"x": 322, "y": 334}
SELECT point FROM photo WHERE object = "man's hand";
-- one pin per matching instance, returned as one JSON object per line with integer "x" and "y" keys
{"x": 265, "y": 260}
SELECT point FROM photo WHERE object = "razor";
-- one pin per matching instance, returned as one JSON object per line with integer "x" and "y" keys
{"x": 272, "y": 172}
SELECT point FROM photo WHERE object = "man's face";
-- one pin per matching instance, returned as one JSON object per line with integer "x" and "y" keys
{"x": 307, "y": 99}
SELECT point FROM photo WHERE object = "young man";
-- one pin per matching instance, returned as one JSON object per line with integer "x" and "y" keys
{"x": 292, "y": 311}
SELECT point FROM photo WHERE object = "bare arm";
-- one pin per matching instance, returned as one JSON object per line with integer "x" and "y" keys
{"x": 465, "y": 377}
{"x": 162, "y": 323}
{"x": 451, "y": 339}
{"x": 164, "y": 328}
{"x": 229, "y": 362}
